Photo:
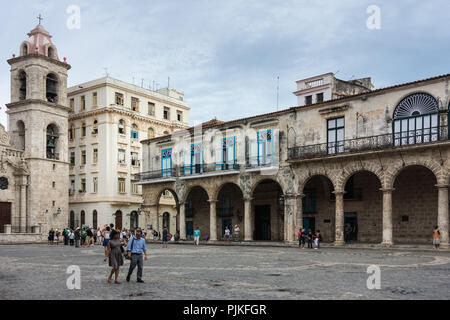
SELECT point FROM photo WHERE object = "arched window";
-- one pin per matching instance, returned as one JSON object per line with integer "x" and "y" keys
{"x": 150, "y": 133}
{"x": 122, "y": 126}
{"x": 24, "y": 50}
{"x": 20, "y": 135}
{"x": 95, "y": 127}
{"x": 51, "y": 52}
{"x": 22, "y": 85}
{"x": 416, "y": 120}
{"x": 134, "y": 131}
{"x": 134, "y": 220}
{"x": 52, "y": 142}
{"x": 51, "y": 88}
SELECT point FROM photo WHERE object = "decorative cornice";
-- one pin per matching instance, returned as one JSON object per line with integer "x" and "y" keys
{"x": 39, "y": 56}
{"x": 37, "y": 101}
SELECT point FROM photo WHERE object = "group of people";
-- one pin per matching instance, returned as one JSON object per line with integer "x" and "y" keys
{"x": 309, "y": 237}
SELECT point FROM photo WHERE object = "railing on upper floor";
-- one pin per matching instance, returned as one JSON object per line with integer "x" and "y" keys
{"x": 371, "y": 143}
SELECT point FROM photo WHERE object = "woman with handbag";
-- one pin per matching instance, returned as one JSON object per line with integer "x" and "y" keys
{"x": 114, "y": 251}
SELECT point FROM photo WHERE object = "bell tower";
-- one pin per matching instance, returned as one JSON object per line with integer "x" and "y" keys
{"x": 38, "y": 124}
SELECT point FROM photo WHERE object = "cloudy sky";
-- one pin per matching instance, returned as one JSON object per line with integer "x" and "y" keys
{"x": 226, "y": 55}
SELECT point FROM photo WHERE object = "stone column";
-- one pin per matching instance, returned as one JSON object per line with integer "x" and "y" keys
{"x": 182, "y": 221}
{"x": 339, "y": 221}
{"x": 443, "y": 214}
{"x": 23, "y": 208}
{"x": 153, "y": 217}
{"x": 212, "y": 220}
{"x": 290, "y": 208}
{"x": 300, "y": 212}
{"x": 387, "y": 218}
{"x": 248, "y": 236}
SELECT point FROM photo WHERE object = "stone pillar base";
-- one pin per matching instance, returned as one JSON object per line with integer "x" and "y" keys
{"x": 444, "y": 246}
{"x": 7, "y": 228}
{"x": 386, "y": 244}
{"x": 339, "y": 243}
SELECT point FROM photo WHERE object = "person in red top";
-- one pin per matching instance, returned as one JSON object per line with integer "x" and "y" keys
{"x": 436, "y": 237}
{"x": 301, "y": 238}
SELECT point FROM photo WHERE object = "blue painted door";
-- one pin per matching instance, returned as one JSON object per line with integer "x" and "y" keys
{"x": 189, "y": 229}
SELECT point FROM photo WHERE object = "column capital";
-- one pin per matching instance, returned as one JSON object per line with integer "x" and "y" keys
{"x": 386, "y": 190}
{"x": 181, "y": 203}
{"x": 248, "y": 199}
{"x": 442, "y": 186}
{"x": 291, "y": 196}
{"x": 339, "y": 192}
{"x": 212, "y": 200}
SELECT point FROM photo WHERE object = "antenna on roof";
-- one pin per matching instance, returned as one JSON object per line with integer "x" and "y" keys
{"x": 168, "y": 82}
{"x": 278, "y": 89}
{"x": 142, "y": 83}
{"x": 106, "y": 72}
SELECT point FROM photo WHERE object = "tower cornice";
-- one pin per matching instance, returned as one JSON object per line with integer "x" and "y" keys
{"x": 39, "y": 56}
{"x": 36, "y": 101}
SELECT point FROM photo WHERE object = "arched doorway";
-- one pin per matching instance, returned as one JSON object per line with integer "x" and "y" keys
{"x": 166, "y": 220}
{"x": 134, "y": 220}
{"x": 168, "y": 211}
{"x": 83, "y": 218}
{"x": 72, "y": 220}
{"x": 363, "y": 208}
{"x": 94, "y": 219}
{"x": 414, "y": 205}
{"x": 268, "y": 212}
{"x": 230, "y": 209}
{"x": 197, "y": 212}
{"x": 318, "y": 205}
{"x": 118, "y": 220}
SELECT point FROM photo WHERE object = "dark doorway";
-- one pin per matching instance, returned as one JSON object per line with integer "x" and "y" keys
{"x": 5, "y": 215}
{"x": 309, "y": 223}
{"x": 189, "y": 229}
{"x": 118, "y": 221}
{"x": 350, "y": 227}
{"x": 72, "y": 220}
{"x": 262, "y": 222}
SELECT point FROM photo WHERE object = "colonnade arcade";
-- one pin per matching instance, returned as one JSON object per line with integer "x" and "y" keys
{"x": 364, "y": 201}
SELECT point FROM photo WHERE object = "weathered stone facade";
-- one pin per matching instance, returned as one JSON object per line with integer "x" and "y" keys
{"x": 375, "y": 183}
{"x": 37, "y": 152}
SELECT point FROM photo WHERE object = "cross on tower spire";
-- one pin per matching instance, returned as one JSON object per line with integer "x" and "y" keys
{"x": 40, "y": 18}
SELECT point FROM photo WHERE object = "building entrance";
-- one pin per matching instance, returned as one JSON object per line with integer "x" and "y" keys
{"x": 262, "y": 222}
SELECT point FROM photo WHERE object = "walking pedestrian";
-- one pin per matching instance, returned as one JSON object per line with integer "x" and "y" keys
{"x": 197, "y": 236}
{"x": 114, "y": 253}
{"x": 65, "y": 235}
{"x": 56, "y": 238}
{"x": 436, "y": 237}
{"x": 51, "y": 236}
{"x": 136, "y": 246}
{"x": 105, "y": 235}
{"x": 83, "y": 237}
{"x": 165, "y": 235}
{"x": 77, "y": 234}
{"x": 310, "y": 239}
{"x": 71, "y": 237}
{"x": 99, "y": 236}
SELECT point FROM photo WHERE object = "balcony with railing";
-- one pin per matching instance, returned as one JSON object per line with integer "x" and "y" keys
{"x": 192, "y": 171}
{"x": 372, "y": 143}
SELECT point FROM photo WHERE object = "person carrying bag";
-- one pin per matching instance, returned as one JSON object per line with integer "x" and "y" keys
{"x": 128, "y": 256}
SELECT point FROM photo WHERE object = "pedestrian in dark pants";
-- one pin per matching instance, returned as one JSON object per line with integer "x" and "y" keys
{"x": 310, "y": 239}
{"x": 77, "y": 237}
{"x": 71, "y": 237}
{"x": 136, "y": 246}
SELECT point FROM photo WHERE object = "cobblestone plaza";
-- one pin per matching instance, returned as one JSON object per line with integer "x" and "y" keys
{"x": 186, "y": 272}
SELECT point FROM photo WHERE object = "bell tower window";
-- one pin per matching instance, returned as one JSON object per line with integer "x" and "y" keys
{"x": 24, "y": 49}
{"x": 52, "y": 140}
{"x": 52, "y": 88}
{"x": 22, "y": 85}
{"x": 51, "y": 52}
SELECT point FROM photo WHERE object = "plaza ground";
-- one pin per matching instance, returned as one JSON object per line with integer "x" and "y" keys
{"x": 38, "y": 271}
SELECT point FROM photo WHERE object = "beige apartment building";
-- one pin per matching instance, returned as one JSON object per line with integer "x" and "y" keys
{"x": 108, "y": 119}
